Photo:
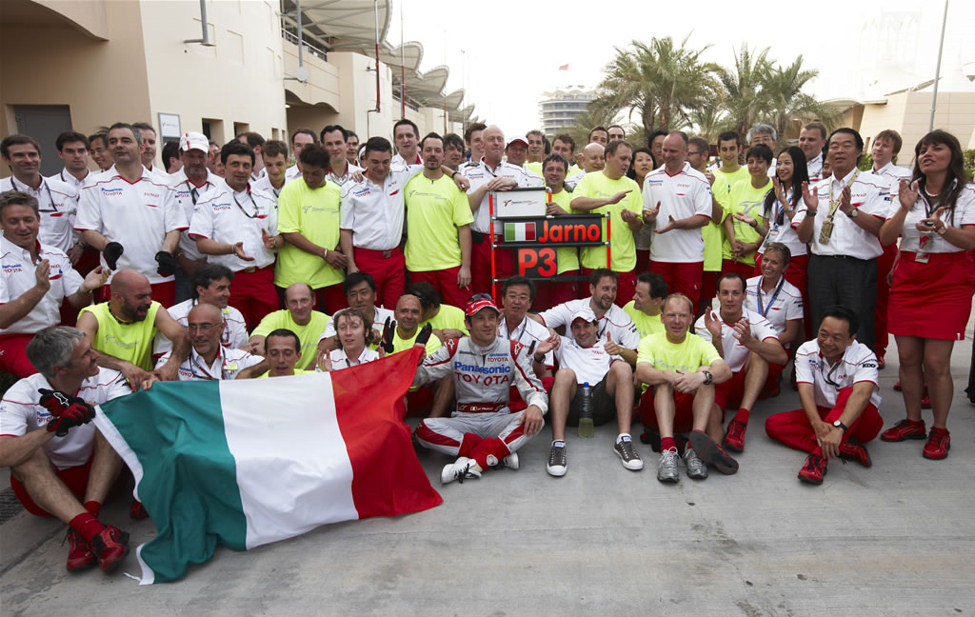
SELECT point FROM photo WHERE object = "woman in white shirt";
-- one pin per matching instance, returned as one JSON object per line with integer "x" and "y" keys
{"x": 354, "y": 334}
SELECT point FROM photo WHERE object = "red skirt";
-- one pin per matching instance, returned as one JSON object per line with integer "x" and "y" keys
{"x": 931, "y": 300}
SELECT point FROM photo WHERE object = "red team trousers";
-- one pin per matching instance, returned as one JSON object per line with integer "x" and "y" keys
{"x": 794, "y": 430}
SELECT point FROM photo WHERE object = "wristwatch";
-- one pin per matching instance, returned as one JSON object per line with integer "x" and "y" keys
{"x": 708, "y": 378}
{"x": 853, "y": 213}
{"x": 942, "y": 231}
{"x": 841, "y": 426}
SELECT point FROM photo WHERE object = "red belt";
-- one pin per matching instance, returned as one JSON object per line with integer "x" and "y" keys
{"x": 480, "y": 407}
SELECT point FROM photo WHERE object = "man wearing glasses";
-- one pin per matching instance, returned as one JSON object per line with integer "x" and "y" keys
{"x": 208, "y": 359}
{"x": 837, "y": 378}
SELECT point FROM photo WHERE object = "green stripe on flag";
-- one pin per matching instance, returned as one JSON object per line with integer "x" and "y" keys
{"x": 509, "y": 232}
{"x": 184, "y": 417}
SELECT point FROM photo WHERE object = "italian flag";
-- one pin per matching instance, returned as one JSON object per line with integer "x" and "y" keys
{"x": 519, "y": 232}
{"x": 246, "y": 463}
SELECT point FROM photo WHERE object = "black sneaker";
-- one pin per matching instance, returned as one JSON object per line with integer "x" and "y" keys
{"x": 713, "y": 454}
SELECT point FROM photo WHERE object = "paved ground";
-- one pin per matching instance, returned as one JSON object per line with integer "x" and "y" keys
{"x": 897, "y": 539}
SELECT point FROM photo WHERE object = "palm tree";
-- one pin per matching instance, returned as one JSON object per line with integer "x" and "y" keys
{"x": 744, "y": 86}
{"x": 786, "y": 101}
{"x": 658, "y": 82}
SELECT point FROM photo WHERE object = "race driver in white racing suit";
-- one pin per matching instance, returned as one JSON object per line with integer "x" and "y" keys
{"x": 482, "y": 432}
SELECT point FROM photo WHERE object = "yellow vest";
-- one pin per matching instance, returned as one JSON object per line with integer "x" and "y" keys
{"x": 131, "y": 342}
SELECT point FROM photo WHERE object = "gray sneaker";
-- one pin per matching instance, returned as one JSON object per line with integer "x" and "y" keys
{"x": 556, "y": 461}
{"x": 696, "y": 469}
{"x": 628, "y": 456}
{"x": 667, "y": 467}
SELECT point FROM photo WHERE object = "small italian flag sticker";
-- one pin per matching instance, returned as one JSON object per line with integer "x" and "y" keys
{"x": 519, "y": 232}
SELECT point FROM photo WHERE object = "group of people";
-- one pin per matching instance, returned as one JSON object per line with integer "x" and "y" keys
{"x": 237, "y": 265}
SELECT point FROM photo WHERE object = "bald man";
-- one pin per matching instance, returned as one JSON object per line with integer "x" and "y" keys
{"x": 593, "y": 159}
{"x": 121, "y": 330}
{"x": 490, "y": 175}
{"x": 208, "y": 359}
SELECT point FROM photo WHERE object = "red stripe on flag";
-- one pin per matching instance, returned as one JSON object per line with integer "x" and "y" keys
{"x": 530, "y": 231}
{"x": 387, "y": 478}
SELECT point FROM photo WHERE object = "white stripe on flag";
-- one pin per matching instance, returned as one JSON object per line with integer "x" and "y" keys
{"x": 286, "y": 497}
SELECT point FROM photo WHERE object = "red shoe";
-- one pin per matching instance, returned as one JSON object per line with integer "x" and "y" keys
{"x": 137, "y": 511}
{"x": 80, "y": 556}
{"x": 734, "y": 437}
{"x": 939, "y": 442}
{"x": 853, "y": 450}
{"x": 897, "y": 386}
{"x": 814, "y": 470}
{"x": 905, "y": 429}
{"x": 110, "y": 546}
{"x": 925, "y": 399}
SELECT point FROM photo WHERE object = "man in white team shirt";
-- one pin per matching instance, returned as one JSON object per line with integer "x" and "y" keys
{"x": 840, "y": 219}
{"x": 492, "y": 174}
{"x": 406, "y": 136}
{"x": 747, "y": 342}
{"x": 34, "y": 281}
{"x": 837, "y": 378}
{"x": 60, "y": 465}
{"x": 237, "y": 226}
{"x": 57, "y": 201}
{"x": 148, "y": 147}
{"x": 73, "y": 152}
{"x": 812, "y": 140}
{"x": 192, "y": 182}
{"x": 211, "y": 285}
{"x": 208, "y": 359}
{"x": 299, "y": 139}
{"x": 677, "y": 201}
{"x": 334, "y": 140}
{"x": 612, "y": 322}
{"x": 517, "y": 294}
{"x": 585, "y": 361}
{"x": 275, "y": 155}
{"x": 133, "y": 219}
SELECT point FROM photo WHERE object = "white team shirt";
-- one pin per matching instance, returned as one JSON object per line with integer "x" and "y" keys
{"x": 784, "y": 232}
{"x": 65, "y": 176}
{"x": 573, "y": 180}
{"x": 895, "y": 174}
{"x": 814, "y": 168}
{"x": 378, "y": 321}
{"x": 229, "y": 217}
{"x": 341, "y": 360}
{"x": 964, "y": 214}
{"x": 375, "y": 213}
{"x": 481, "y": 174}
{"x": 398, "y": 163}
{"x": 291, "y": 173}
{"x": 350, "y": 170}
{"x": 615, "y": 322}
{"x": 857, "y": 364}
{"x": 870, "y": 195}
{"x": 684, "y": 194}
{"x": 234, "y": 329}
{"x": 736, "y": 354}
{"x": 17, "y": 277}
{"x": 136, "y": 215}
{"x": 264, "y": 184}
{"x": 188, "y": 195}
{"x": 20, "y": 413}
{"x": 590, "y": 364}
{"x": 781, "y": 305}
{"x": 57, "y": 204}
{"x": 227, "y": 364}
{"x": 527, "y": 332}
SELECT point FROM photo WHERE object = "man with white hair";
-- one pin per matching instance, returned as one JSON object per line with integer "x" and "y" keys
{"x": 593, "y": 160}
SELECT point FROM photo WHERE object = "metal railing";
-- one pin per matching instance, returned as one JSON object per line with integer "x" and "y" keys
{"x": 291, "y": 37}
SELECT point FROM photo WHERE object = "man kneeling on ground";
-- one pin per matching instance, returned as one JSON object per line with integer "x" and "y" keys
{"x": 56, "y": 457}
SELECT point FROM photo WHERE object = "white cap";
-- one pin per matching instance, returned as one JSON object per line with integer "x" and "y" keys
{"x": 194, "y": 141}
{"x": 517, "y": 138}
{"x": 584, "y": 313}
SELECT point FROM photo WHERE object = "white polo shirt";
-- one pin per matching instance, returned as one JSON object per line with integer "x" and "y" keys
{"x": 398, "y": 163}
{"x": 229, "y": 217}
{"x": 136, "y": 215}
{"x": 227, "y": 364}
{"x": 378, "y": 321}
{"x": 341, "y": 360}
{"x": 188, "y": 195}
{"x": 615, "y": 322}
{"x": 234, "y": 330}
{"x": 375, "y": 213}
{"x": 57, "y": 204}
{"x": 895, "y": 174}
{"x": 684, "y": 194}
{"x": 20, "y": 413}
{"x": 783, "y": 232}
{"x": 736, "y": 354}
{"x": 527, "y": 332}
{"x": 17, "y": 277}
{"x": 781, "y": 305}
{"x": 573, "y": 180}
{"x": 481, "y": 174}
{"x": 291, "y": 173}
{"x": 858, "y": 364}
{"x": 264, "y": 184}
{"x": 350, "y": 170}
{"x": 65, "y": 176}
{"x": 590, "y": 364}
{"x": 870, "y": 194}
{"x": 964, "y": 214}
{"x": 814, "y": 169}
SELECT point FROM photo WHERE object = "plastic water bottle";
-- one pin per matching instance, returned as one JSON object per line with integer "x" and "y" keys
{"x": 586, "y": 429}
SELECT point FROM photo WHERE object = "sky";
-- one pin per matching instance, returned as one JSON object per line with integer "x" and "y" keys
{"x": 506, "y": 53}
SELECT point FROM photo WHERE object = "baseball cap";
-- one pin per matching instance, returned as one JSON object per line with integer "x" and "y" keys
{"x": 584, "y": 313}
{"x": 193, "y": 141}
{"x": 516, "y": 139}
{"x": 478, "y": 302}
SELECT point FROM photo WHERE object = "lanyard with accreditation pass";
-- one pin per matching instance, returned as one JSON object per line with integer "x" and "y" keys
{"x": 765, "y": 310}
{"x": 827, "y": 230}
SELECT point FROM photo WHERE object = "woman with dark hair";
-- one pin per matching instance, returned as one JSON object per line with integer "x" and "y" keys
{"x": 780, "y": 206}
{"x": 931, "y": 291}
{"x": 656, "y": 145}
{"x": 640, "y": 166}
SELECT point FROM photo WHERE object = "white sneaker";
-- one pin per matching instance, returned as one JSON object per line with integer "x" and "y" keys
{"x": 459, "y": 470}
{"x": 556, "y": 461}
{"x": 511, "y": 461}
{"x": 628, "y": 456}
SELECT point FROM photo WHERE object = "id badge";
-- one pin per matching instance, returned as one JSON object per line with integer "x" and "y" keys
{"x": 826, "y": 231}
{"x": 923, "y": 244}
